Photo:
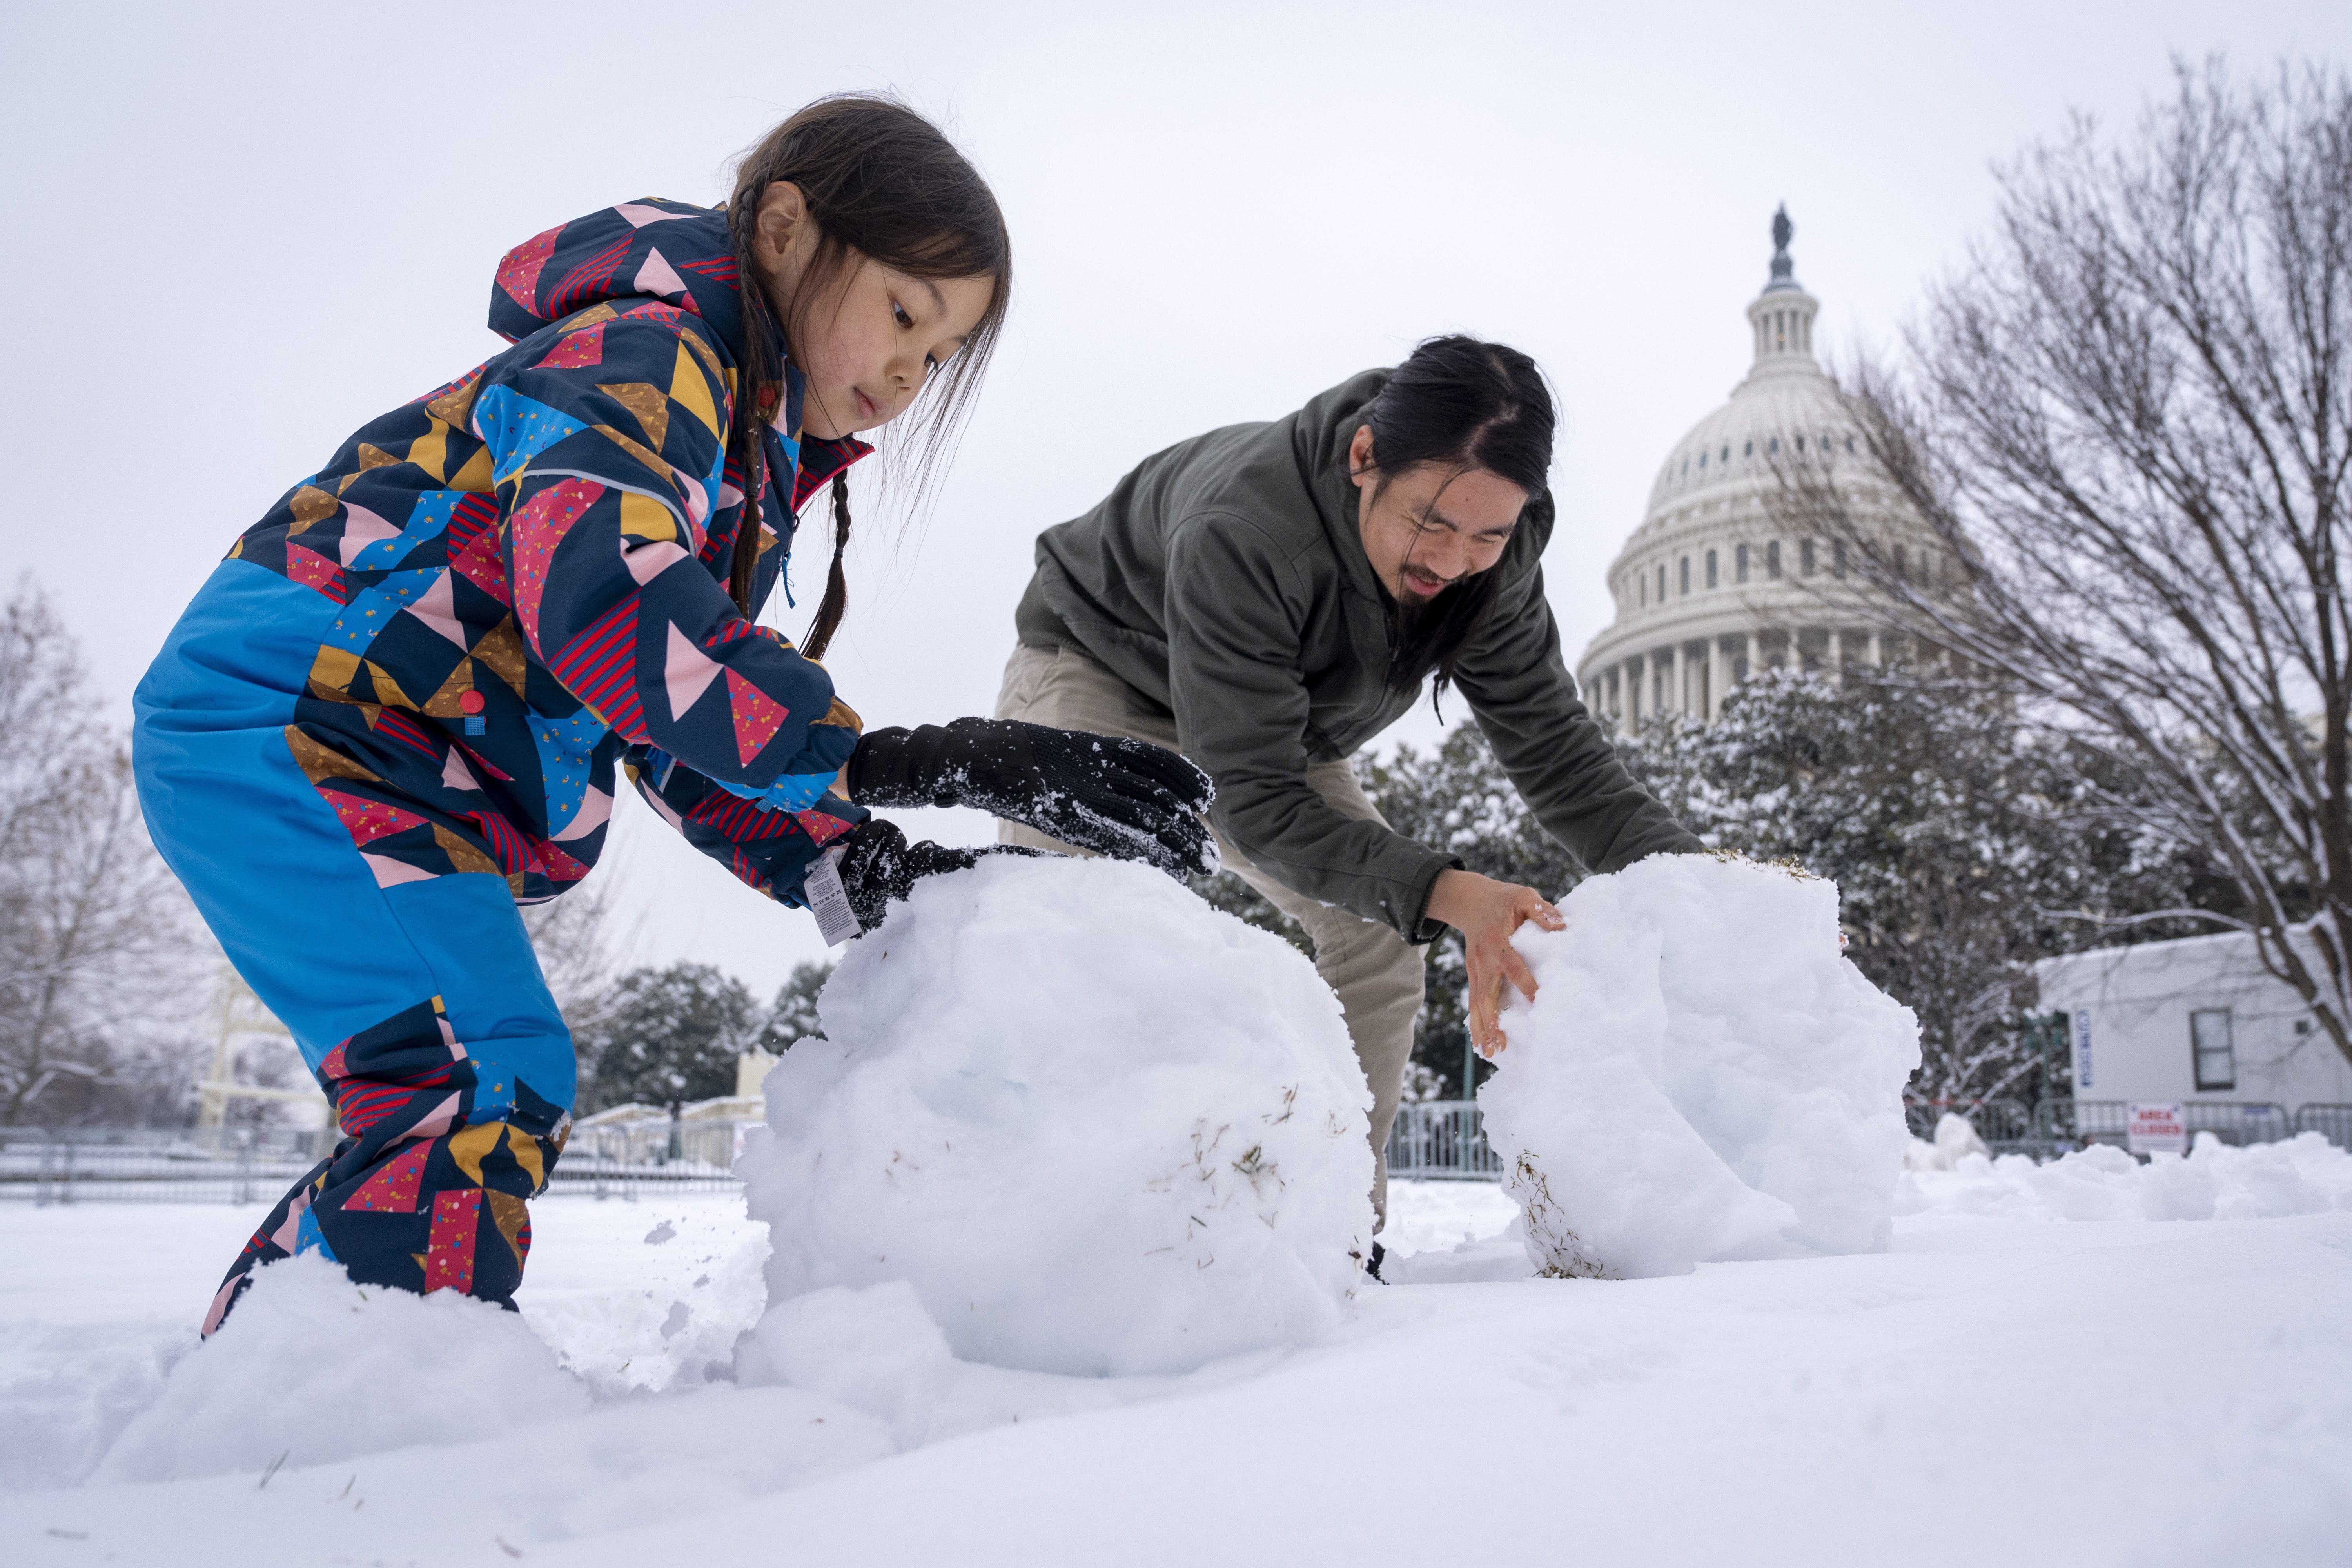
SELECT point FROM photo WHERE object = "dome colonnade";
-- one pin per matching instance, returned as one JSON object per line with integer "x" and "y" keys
{"x": 1711, "y": 589}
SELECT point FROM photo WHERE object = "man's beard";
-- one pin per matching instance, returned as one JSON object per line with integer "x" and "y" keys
{"x": 1411, "y": 608}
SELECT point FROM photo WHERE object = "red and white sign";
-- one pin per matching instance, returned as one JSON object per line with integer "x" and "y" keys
{"x": 2159, "y": 1128}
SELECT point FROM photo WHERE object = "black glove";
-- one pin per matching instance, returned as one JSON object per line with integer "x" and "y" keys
{"x": 1112, "y": 795}
{"x": 878, "y": 865}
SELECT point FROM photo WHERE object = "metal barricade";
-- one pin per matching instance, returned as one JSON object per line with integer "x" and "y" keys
{"x": 649, "y": 1157}
{"x": 1442, "y": 1140}
{"x": 2243, "y": 1122}
{"x": 2333, "y": 1122}
{"x": 2007, "y": 1126}
{"x": 2078, "y": 1123}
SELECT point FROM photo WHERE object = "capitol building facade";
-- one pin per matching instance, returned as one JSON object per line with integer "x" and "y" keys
{"x": 1711, "y": 589}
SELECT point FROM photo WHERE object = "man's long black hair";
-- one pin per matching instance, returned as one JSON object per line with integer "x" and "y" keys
{"x": 1460, "y": 403}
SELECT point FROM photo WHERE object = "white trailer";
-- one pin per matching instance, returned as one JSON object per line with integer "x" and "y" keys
{"x": 2193, "y": 1020}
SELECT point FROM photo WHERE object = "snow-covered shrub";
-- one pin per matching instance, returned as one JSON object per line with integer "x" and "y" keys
{"x": 1700, "y": 1076}
{"x": 311, "y": 1368}
{"x": 1099, "y": 1127}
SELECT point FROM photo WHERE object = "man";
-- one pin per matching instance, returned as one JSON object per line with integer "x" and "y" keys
{"x": 1267, "y": 598}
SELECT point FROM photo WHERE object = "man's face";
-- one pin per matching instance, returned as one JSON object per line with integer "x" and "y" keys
{"x": 1429, "y": 527}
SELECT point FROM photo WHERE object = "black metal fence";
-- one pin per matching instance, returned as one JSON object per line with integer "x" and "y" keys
{"x": 245, "y": 1166}
{"x": 1434, "y": 1141}
{"x": 200, "y": 1165}
{"x": 1442, "y": 1140}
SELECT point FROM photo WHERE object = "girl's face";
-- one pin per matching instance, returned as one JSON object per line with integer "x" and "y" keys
{"x": 872, "y": 336}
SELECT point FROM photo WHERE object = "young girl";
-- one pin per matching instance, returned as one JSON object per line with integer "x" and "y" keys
{"x": 397, "y": 709}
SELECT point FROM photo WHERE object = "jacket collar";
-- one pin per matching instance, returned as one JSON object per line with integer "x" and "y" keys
{"x": 1320, "y": 439}
{"x": 820, "y": 459}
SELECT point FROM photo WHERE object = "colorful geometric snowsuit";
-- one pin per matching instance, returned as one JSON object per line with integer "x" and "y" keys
{"x": 395, "y": 711}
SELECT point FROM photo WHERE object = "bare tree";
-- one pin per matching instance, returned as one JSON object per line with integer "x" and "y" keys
{"x": 2127, "y": 422}
{"x": 95, "y": 933}
{"x": 98, "y": 944}
{"x": 44, "y": 708}
{"x": 100, "y": 948}
{"x": 573, "y": 938}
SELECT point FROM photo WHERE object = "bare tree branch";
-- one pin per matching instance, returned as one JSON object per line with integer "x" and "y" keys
{"x": 2128, "y": 417}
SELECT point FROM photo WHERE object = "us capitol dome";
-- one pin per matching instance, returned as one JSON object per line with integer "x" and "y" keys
{"x": 1711, "y": 589}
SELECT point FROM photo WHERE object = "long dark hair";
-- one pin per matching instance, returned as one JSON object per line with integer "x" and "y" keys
{"x": 880, "y": 182}
{"x": 1460, "y": 403}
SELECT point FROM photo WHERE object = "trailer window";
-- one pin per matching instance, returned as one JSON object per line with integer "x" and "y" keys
{"x": 2216, "y": 1057}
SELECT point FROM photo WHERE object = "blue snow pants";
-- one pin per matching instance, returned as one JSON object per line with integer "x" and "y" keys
{"x": 419, "y": 1006}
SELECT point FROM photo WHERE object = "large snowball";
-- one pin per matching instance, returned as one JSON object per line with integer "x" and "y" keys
{"x": 1099, "y": 1127}
{"x": 1700, "y": 1076}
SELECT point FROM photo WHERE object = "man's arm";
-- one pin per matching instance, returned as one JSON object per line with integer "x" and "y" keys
{"x": 1558, "y": 757}
{"x": 1562, "y": 763}
{"x": 1236, "y": 608}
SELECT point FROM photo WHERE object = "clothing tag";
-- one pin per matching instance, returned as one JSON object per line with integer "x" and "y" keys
{"x": 827, "y": 901}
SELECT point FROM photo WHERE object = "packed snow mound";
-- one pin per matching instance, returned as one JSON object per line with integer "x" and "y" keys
{"x": 1701, "y": 1076}
{"x": 1099, "y": 1127}
{"x": 2303, "y": 1174}
{"x": 879, "y": 1352}
{"x": 310, "y": 1368}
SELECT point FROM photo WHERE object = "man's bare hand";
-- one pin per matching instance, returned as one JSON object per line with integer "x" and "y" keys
{"x": 1487, "y": 914}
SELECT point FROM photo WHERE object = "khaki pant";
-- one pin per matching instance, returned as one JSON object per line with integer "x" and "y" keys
{"x": 1375, "y": 972}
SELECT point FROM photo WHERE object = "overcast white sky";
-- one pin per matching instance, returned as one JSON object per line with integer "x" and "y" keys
{"x": 235, "y": 233}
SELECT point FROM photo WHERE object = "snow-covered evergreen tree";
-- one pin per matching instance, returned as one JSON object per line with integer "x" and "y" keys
{"x": 1963, "y": 850}
{"x": 667, "y": 1035}
{"x": 793, "y": 1017}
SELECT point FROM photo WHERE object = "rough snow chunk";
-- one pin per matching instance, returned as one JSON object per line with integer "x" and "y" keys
{"x": 2303, "y": 1174}
{"x": 1956, "y": 1139}
{"x": 311, "y": 1368}
{"x": 1701, "y": 1076}
{"x": 1098, "y": 1126}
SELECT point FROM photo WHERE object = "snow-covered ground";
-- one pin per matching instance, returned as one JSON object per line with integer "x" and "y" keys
{"x": 1061, "y": 1273}
{"x": 1998, "y": 1385}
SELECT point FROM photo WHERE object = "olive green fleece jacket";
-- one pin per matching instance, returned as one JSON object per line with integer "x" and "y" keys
{"x": 1225, "y": 579}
